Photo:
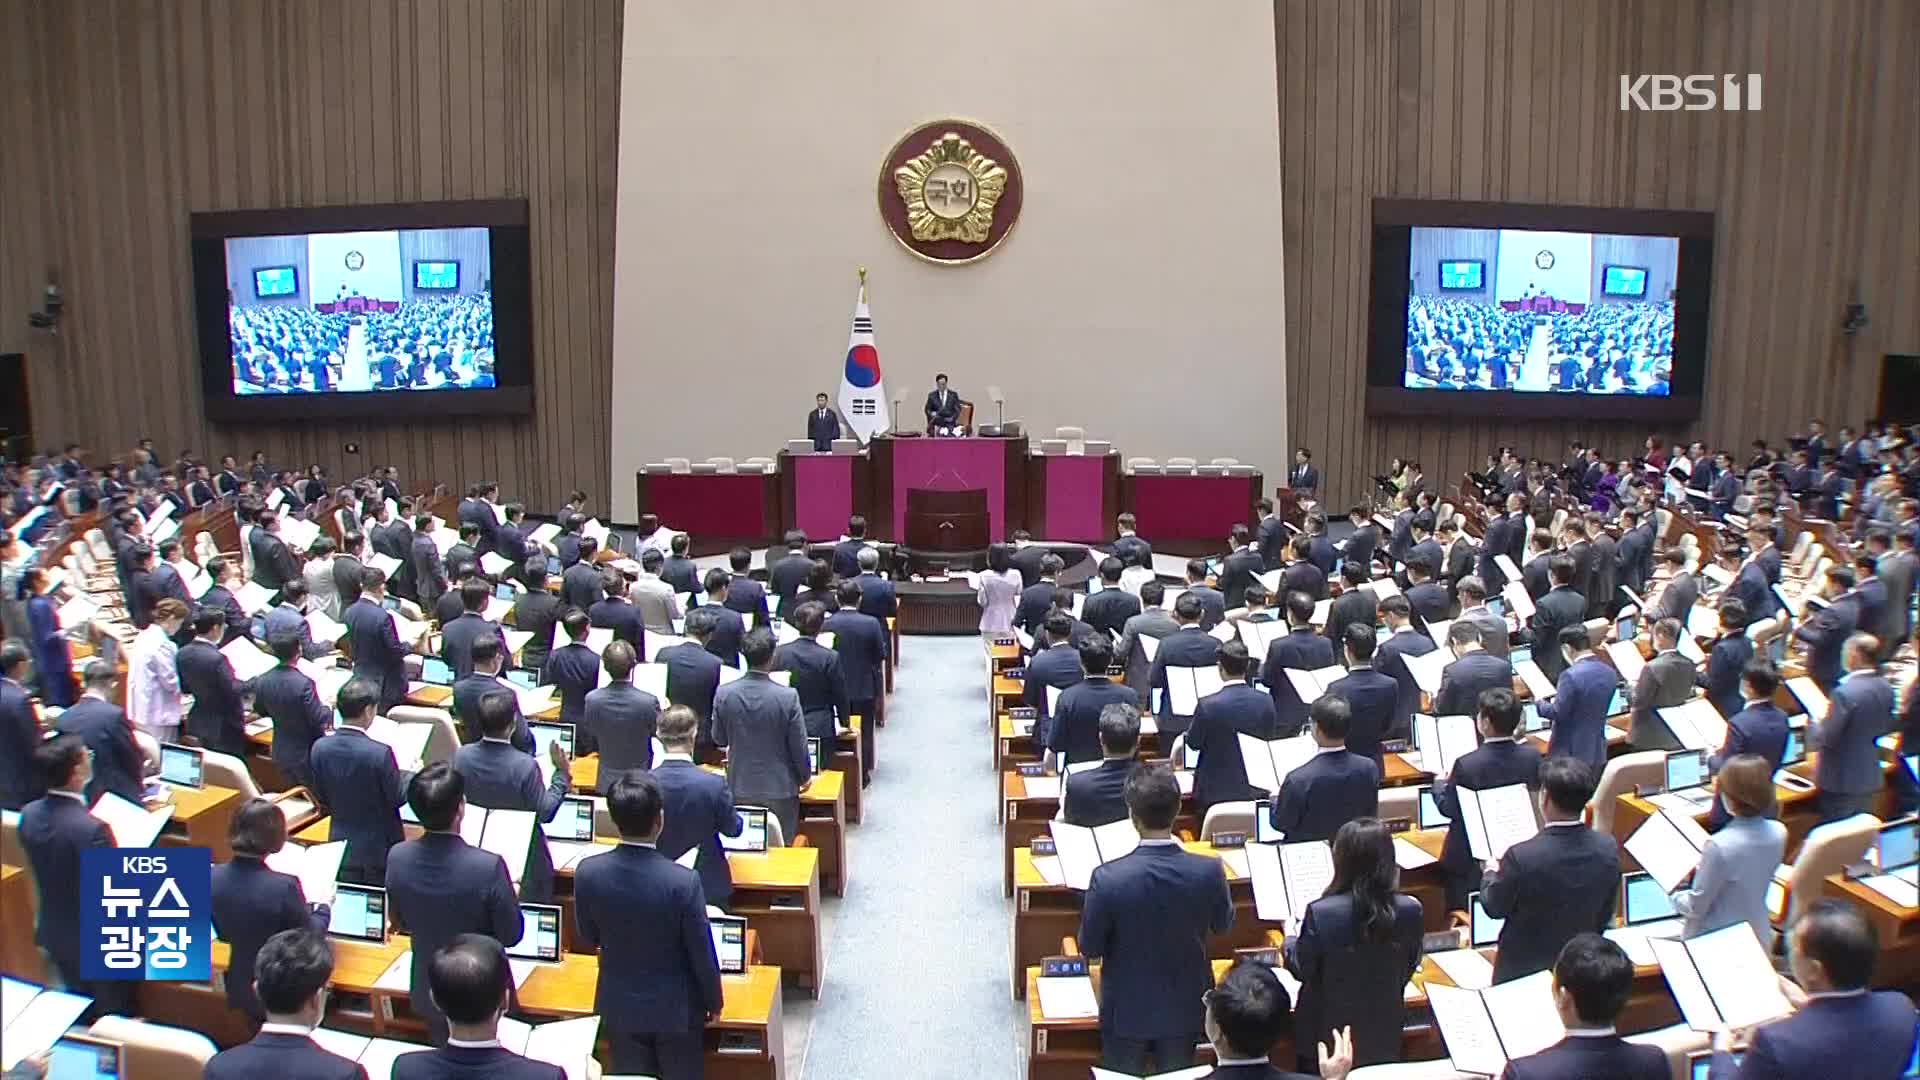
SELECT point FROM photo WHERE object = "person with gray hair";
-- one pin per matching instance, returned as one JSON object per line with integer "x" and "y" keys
{"x": 1097, "y": 796}
{"x": 1473, "y": 608}
{"x": 1473, "y": 670}
{"x": 876, "y": 592}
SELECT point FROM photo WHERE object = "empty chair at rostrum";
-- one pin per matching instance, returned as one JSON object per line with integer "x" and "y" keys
{"x": 1075, "y": 438}
{"x": 1225, "y": 461}
{"x": 679, "y": 465}
{"x": 722, "y": 464}
{"x": 1134, "y": 464}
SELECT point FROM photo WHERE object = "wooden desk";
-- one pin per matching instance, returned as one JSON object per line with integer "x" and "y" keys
{"x": 779, "y": 895}
{"x": 848, "y": 758}
{"x": 1898, "y": 928}
{"x": 1026, "y": 817}
{"x": 200, "y": 819}
{"x": 1798, "y": 810}
{"x": 19, "y": 956}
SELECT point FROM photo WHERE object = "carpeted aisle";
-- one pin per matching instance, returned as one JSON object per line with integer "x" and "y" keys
{"x": 916, "y": 960}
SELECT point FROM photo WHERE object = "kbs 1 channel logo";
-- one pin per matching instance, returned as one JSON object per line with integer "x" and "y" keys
{"x": 146, "y": 914}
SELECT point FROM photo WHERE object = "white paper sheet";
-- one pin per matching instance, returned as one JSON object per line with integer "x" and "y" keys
{"x": 1409, "y": 856}
{"x": 1466, "y": 967}
{"x": 1663, "y": 850}
{"x": 1465, "y": 1025}
{"x": 1308, "y": 868}
{"x": 1697, "y": 724}
{"x": 1270, "y": 903}
{"x": 1626, "y": 660}
{"x": 1536, "y": 680}
{"x": 317, "y": 868}
{"x": 509, "y": 834}
{"x": 1068, "y": 998}
{"x": 40, "y": 1024}
{"x": 249, "y": 661}
{"x": 1078, "y": 852}
{"x": 1497, "y": 818}
{"x": 1427, "y": 669}
{"x": 1524, "y": 1015}
{"x": 132, "y": 825}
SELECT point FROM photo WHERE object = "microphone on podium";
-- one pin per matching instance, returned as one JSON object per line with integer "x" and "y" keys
{"x": 1000, "y": 401}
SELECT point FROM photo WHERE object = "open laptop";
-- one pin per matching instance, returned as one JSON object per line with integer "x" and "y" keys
{"x": 182, "y": 766}
{"x": 359, "y": 913}
{"x": 503, "y": 591}
{"x": 1643, "y": 901}
{"x": 1687, "y": 776}
{"x": 546, "y": 733}
{"x": 753, "y": 830}
{"x": 1700, "y": 1063}
{"x": 435, "y": 672}
{"x": 1483, "y": 929}
{"x": 1796, "y": 751}
{"x": 1625, "y": 627}
{"x": 1531, "y": 722}
{"x": 573, "y": 821}
{"x": 1263, "y": 830}
{"x": 729, "y": 942}
{"x": 816, "y": 755}
{"x": 539, "y": 934}
{"x": 83, "y": 1057}
{"x": 1430, "y": 816}
{"x": 522, "y": 678}
{"x": 1898, "y": 845}
{"x": 1520, "y": 654}
{"x": 1618, "y": 706}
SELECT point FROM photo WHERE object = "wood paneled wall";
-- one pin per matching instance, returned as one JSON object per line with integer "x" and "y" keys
{"x": 123, "y": 116}
{"x": 1518, "y": 101}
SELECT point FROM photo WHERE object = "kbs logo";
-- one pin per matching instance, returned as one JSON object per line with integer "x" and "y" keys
{"x": 1689, "y": 93}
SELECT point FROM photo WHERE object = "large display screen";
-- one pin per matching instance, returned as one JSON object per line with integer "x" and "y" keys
{"x": 325, "y": 307}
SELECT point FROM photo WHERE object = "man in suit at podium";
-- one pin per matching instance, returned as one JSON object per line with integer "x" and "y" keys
{"x": 823, "y": 426}
{"x": 1304, "y": 479}
{"x": 943, "y": 407}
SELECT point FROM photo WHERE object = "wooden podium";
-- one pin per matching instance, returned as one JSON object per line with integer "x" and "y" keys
{"x": 950, "y": 525}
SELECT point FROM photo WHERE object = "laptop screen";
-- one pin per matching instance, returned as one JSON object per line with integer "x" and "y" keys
{"x": 1263, "y": 830}
{"x": 1484, "y": 927}
{"x": 539, "y": 934}
{"x": 181, "y": 765}
{"x": 1686, "y": 769}
{"x": 573, "y": 821}
{"x": 1796, "y": 750}
{"x": 729, "y": 943}
{"x": 522, "y": 678}
{"x": 1430, "y": 815}
{"x": 1189, "y": 757}
{"x": 1899, "y": 845}
{"x": 1520, "y": 654}
{"x": 435, "y": 671}
{"x": 1624, "y": 629}
{"x": 546, "y": 733}
{"x": 1618, "y": 705}
{"x": 81, "y": 1057}
{"x": 503, "y": 591}
{"x": 753, "y": 830}
{"x": 816, "y": 756}
{"x": 359, "y": 913}
{"x": 1531, "y": 721}
{"x": 1645, "y": 901}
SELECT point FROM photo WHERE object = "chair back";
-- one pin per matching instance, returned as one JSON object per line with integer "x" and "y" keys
{"x": 1227, "y": 817}
{"x": 1134, "y": 463}
{"x": 1225, "y": 462}
{"x": 204, "y": 548}
{"x": 1075, "y": 437}
{"x": 1400, "y": 803}
{"x": 156, "y": 1051}
{"x": 965, "y": 420}
{"x": 1620, "y": 777}
{"x": 1828, "y": 849}
{"x": 723, "y": 464}
{"x": 679, "y": 465}
{"x": 227, "y": 771}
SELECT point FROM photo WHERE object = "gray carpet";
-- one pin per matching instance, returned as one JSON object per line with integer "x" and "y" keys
{"x": 916, "y": 953}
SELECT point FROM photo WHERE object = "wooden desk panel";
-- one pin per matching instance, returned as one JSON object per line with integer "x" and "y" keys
{"x": 200, "y": 819}
{"x": 19, "y": 902}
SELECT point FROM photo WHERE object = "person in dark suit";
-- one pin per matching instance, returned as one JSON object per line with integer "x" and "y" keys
{"x": 440, "y": 888}
{"x": 789, "y": 572}
{"x": 1304, "y": 479}
{"x": 1666, "y": 681}
{"x": 1026, "y": 557}
{"x": 536, "y": 611}
{"x": 1333, "y": 788}
{"x": 450, "y": 606}
{"x": 1301, "y": 649}
{"x": 1604, "y": 576}
{"x": 218, "y": 718}
{"x": 1633, "y": 556}
{"x": 1390, "y": 659}
{"x": 745, "y": 594}
{"x": 1363, "y": 542}
{"x": 1825, "y": 634}
{"x": 581, "y": 584}
{"x": 1213, "y": 605}
{"x": 1356, "y": 604}
{"x": 814, "y": 673}
{"x": 151, "y": 581}
{"x": 1073, "y": 732}
{"x": 252, "y": 903}
{"x": 1269, "y": 535}
{"x": 1561, "y": 882}
{"x": 621, "y": 717}
{"x": 1188, "y": 647}
{"x": 1456, "y": 556}
{"x": 1055, "y": 665}
{"x": 1321, "y": 551}
{"x": 1496, "y": 541}
{"x": 693, "y": 676}
{"x": 464, "y": 704}
{"x": 471, "y": 987}
{"x": 846, "y": 553}
{"x": 1592, "y": 979}
{"x": 1128, "y": 545}
{"x": 1581, "y": 698}
{"x": 1370, "y": 695}
{"x": 1562, "y": 607}
{"x": 682, "y": 572}
{"x": 1847, "y": 772}
{"x": 1096, "y": 796}
{"x": 289, "y": 617}
{"x": 823, "y": 425}
{"x": 1037, "y": 599}
{"x": 1239, "y": 708}
{"x": 617, "y": 613}
{"x": 876, "y": 593}
{"x": 1109, "y": 609}
{"x": 356, "y": 779}
{"x": 226, "y": 578}
{"x": 1495, "y": 630}
{"x": 698, "y": 805}
{"x": 287, "y": 697}
{"x": 54, "y": 830}
{"x": 759, "y": 722}
{"x": 657, "y": 990}
{"x": 1147, "y": 916}
{"x": 1473, "y": 670}
{"x": 348, "y": 569}
{"x": 1839, "y": 1027}
{"x": 1427, "y": 597}
{"x": 290, "y": 977}
{"x": 1682, "y": 590}
{"x": 1500, "y": 760}
{"x": 510, "y": 539}
{"x": 1301, "y": 575}
{"x": 499, "y": 776}
{"x": 1729, "y": 655}
{"x": 1239, "y": 568}
{"x": 1534, "y": 572}
{"x": 97, "y": 721}
{"x": 573, "y": 670}
{"x": 1356, "y": 947}
{"x": 379, "y": 655}
{"x": 273, "y": 561}
{"x": 19, "y": 731}
{"x": 457, "y": 637}
{"x": 728, "y": 628}
{"x": 1247, "y": 1013}
{"x": 1758, "y": 727}
{"x": 862, "y": 643}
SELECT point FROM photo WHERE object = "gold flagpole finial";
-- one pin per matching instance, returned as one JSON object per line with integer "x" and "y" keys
{"x": 863, "y": 283}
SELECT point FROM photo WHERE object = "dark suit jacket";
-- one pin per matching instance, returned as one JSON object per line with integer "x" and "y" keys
{"x": 284, "y": 1057}
{"x": 536, "y": 613}
{"x": 748, "y": 597}
{"x": 681, "y": 573}
{"x": 618, "y": 614}
{"x": 19, "y": 734}
{"x": 1495, "y": 542}
{"x": 861, "y": 641}
{"x": 1725, "y": 661}
{"x": 1578, "y": 709}
{"x": 1360, "y": 545}
{"x": 500, "y": 777}
{"x": 1560, "y": 608}
{"x": 1325, "y": 793}
{"x": 458, "y": 636}
{"x": 439, "y": 887}
{"x": 378, "y": 653}
{"x": 219, "y": 716}
{"x": 1213, "y": 605}
{"x": 238, "y": 624}
{"x": 472, "y": 1063}
{"x": 1075, "y": 729}
{"x": 1760, "y": 728}
{"x": 1429, "y": 602}
{"x": 621, "y": 717}
{"x": 1189, "y": 647}
{"x": 1667, "y": 680}
{"x": 1302, "y": 650}
{"x": 1270, "y": 540}
{"x": 1055, "y": 666}
{"x": 287, "y": 696}
{"x": 1842, "y": 1038}
{"x": 699, "y": 809}
{"x": 251, "y": 904}
{"x": 845, "y": 559}
{"x": 1220, "y": 775}
{"x": 1462, "y": 682}
{"x": 1579, "y": 1057}
{"x": 574, "y": 670}
{"x": 1097, "y": 796}
{"x": 1304, "y": 577}
{"x": 1352, "y": 606}
{"x": 273, "y": 561}
{"x": 117, "y": 762}
{"x": 1633, "y": 558}
{"x": 693, "y": 674}
{"x": 877, "y": 598}
{"x": 1109, "y": 609}
{"x": 1147, "y": 916}
{"x": 1861, "y": 712}
{"x": 787, "y": 574}
{"x": 464, "y": 705}
{"x": 1142, "y": 552}
{"x": 1035, "y": 601}
{"x": 478, "y": 512}
{"x": 728, "y": 629}
{"x": 1304, "y": 479}
{"x": 665, "y": 981}
{"x": 1334, "y": 965}
{"x": 54, "y": 830}
{"x": 1560, "y": 883}
{"x": 1602, "y": 586}
{"x": 1390, "y": 659}
{"x": 1537, "y": 575}
{"x": 1494, "y": 764}
{"x": 823, "y": 426}
{"x": 580, "y": 586}
{"x": 1372, "y": 696}
{"x": 1236, "y": 573}
{"x": 356, "y": 779}
{"x": 943, "y": 409}
{"x": 1026, "y": 559}
{"x": 1826, "y": 635}
{"x": 814, "y": 673}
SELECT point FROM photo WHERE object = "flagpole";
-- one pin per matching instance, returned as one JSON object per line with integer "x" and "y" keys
{"x": 863, "y": 284}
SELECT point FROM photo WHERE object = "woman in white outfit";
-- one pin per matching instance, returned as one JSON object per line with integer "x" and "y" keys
{"x": 153, "y": 681}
